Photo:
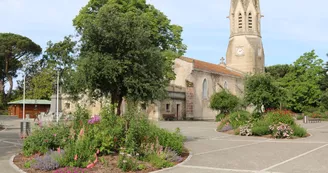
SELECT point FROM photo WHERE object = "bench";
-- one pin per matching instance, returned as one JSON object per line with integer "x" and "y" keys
{"x": 169, "y": 117}
{"x": 314, "y": 120}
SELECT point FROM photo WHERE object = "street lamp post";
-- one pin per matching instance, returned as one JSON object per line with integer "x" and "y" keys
{"x": 57, "y": 107}
{"x": 24, "y": 99}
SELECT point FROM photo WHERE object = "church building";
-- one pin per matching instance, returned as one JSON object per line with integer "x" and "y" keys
{"x": 196, "y": 81}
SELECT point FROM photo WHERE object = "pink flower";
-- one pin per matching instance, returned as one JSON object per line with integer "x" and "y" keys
{"x": 75, "y": 157}
{"x": 91, "y": 165}
{"x": 58, "y": 149}
{"x": 81, "y": 132}
{"x": 55, "y": 135}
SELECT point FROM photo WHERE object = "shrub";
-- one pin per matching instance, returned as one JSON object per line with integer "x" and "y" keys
{"x": 300, "y": 117}
{"x": 261, "y": 128}
{"x": 299, "y": 131}
{"x": 276, "y": 117}
{"x": 224, "y": 125}
{"x": 281, "y": 130}
{"x": 158, "y": 161}
{"x": 48, "y": 162}
{"x": 224, "y": 102}
{"x": 239, "y": 118}
{"x": 79, "y": 153}
{"x": 220, "y": 117}
{"x": 246, "y": 130}
{"x": 142, "y": 130}
{"x": 45, "y": 138}
{"x": 126, "y": 162}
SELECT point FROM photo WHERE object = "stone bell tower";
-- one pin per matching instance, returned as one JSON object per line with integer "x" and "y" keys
{"x": 245, "y": 50}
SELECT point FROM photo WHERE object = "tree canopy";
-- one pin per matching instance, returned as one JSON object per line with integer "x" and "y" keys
{"x": 127, "y": 50}
{"x": 15, "y": 50}
{"x": 261, "y": 90}
{"x": 224, "y": 101}
{"x": 302, "y": 82}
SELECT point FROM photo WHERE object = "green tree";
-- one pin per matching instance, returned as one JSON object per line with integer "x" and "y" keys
{"x": 224, "y": 102}
{"x": 261, "y": 90}
{"x": 41, "y": 75}
{"x": 127, "y": 50}
{"x": 278, "y": 71}
{"x": 41, "y": 85}
{"x": 14, "y": 51}
{"x": 302, "y": 82}
{"x": 324, "y": 82}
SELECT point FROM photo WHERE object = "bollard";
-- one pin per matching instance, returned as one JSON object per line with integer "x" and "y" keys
{"x": 305, "y": 119}
{"x": 25, "y": 128}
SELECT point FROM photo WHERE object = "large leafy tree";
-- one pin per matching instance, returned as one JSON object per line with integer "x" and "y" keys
{"x": 41, "y": 75}
{"x": 261, "y": 90}
{"x": 278, "y": 71}
{"x": 302, "y": 82}
{"x": 14, "y": 51}
{"x": 224, "y": 101}
{"x": 127, "y": 50}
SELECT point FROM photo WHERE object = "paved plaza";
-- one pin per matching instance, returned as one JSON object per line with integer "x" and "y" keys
{"x": 10, "y": 142}
{"x": 214, "y": 152}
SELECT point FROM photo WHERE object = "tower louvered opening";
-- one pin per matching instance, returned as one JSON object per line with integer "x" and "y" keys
{"x": 240, "y": 21}
{"x": 250, "y": 21}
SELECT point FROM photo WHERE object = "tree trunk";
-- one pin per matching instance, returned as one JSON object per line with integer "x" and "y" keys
{"x": 10, "y": 80}
{"x": 6, "y": 74}
{"x": 2, "y": 90}
{"x": 119, "y": 106}
{"x": 112, "y": 102}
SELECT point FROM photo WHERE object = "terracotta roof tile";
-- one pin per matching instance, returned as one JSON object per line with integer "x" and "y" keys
{"x": 211, "y": 67}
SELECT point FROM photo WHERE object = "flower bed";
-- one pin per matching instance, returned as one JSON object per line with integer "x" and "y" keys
{"x": 274, "y": 124}
{"x": 101, "y": 143}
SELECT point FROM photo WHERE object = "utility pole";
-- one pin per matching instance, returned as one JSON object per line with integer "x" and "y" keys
{"x": 24, "y": 99}
{"x": 57, "y": 107}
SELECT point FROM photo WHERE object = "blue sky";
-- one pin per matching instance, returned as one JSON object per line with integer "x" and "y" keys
{"x": 289, "y": 28}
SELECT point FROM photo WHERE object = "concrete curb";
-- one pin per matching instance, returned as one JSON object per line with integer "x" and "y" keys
{"x": 11, "y": 163}
{"x": 166, "y": 169}
{"x": 16, "y": 168}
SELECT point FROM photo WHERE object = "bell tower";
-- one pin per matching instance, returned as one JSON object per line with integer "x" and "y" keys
{"x": 245, "y": 50}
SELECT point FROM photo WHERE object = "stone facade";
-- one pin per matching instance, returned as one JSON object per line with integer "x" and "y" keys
{"x": 245, "y": 54}
{"x": 201, "y": 83}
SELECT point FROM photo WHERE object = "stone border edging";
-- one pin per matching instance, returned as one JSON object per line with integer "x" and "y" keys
{"x": 166, "y": 169}
{"x": 11, "y": 163}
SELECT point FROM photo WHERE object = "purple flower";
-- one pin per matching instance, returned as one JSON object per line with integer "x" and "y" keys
{"x": 94, "y": 119}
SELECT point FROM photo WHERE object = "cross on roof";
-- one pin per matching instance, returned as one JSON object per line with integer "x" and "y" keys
{"x": 222, "y": 60}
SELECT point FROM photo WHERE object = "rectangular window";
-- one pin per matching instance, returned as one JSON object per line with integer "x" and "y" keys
{"x": 168, "y": 108}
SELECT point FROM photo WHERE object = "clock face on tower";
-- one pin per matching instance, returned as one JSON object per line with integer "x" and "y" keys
{"x": 240, "y": 51}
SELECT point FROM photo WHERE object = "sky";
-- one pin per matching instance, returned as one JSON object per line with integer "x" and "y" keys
{"x": 289, "y": 27}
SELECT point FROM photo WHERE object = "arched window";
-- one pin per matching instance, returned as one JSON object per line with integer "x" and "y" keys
{"x": 250, "y": 21}
{"x": 226, "y": 85}
{"x": 240, "y": 21}
{"x": 205, "y": 88}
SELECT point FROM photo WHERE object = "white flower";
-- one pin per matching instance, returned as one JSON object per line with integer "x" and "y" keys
{"x": 124, "y": 161}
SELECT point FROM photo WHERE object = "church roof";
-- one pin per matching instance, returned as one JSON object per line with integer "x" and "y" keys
{"x": 244, "y": 3}
{"x": 202, "y": 65}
